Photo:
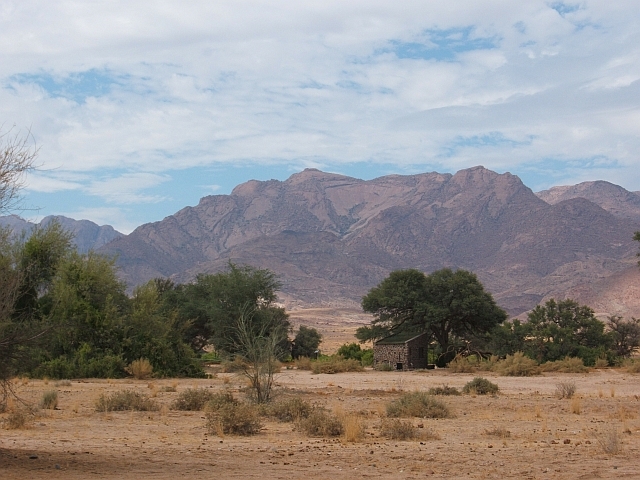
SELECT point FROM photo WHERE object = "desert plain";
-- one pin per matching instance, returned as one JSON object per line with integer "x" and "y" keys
{"x": 525, "y": 431}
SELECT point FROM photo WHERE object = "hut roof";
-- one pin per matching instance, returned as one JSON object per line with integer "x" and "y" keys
{"x": 399, "y": 338}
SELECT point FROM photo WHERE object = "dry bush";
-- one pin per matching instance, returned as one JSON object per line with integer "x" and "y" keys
{"x": 219, "y": 400}
{"x": 566, "y": 365}
{"x": 576, "y": 406}
{"x": 290, "y": 410}
{"x": 417, "y": 404}
{"x": 321, "y": 423}
{"x": 610, "y": 441}
{"x": 17, "y": 419}
{"x": 444, "y": 390}
{"x": 565, "y": 389}
{"x": 462, "y": 364}
{"x": 336, "y": 365}
{"x": 125, "y": 400}
{"x": 49, "y": 400}
{"x": 168, "y": 388}
{"x": 632, "y": 365}
{"x": 141, "y": 369}
{"x": 396, "y": 429}
{"x": 62, "y": 383}
{"x": 235, "y": 366}
{"x": 303, "y": 363}
{"x": 235, "y": 419}
{"x": 480, "y": 386}
{"x": 192, "y": 399}
{"x": 500, "y": 432}
{"x": 517, "y": 365}
{"x": 353, "y": 428}
{"x": 601, "y": 362}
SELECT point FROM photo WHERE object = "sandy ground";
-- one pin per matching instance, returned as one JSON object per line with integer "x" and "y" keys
{"x": 545, "y": 439}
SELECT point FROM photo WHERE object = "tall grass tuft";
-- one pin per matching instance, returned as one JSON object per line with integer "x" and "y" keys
{"x": 49, "y": 400}
{"x": 141, "y": 369}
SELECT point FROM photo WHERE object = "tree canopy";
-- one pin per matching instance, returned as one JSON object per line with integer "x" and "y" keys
{"x": 448, "y": 305}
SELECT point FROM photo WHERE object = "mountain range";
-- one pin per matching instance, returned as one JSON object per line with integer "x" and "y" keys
{"x": 331, "y": 238}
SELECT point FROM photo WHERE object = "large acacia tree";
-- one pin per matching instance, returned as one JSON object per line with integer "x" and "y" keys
{"x": 446, "y": 304}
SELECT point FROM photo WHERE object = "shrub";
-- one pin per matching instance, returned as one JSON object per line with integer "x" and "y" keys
{"x": 219, "y": 400}
{"x": 565, "y": 389}
{"x": 125, "y": 400}
{"x": 444, "y": 390}
{"x": 303, "y": 363}
{"x": 632, "y": 366}
{"x": 462, "y": 364}
{"x": 49, "y": 400}
{"x": 417, "y": 404}
{"x": 234, "y": 418}
{"x": 336, "y": 365}
{"x": 140, "y": 369}
{"x": 396, "y": 429}
{"x": 321, "y": 423}
{"x": 16, "y": 420}
{"x": 609, "y": 441}
{"x": 235, "y": 366}
{"x": 566, "y": 365}
{"x": 517, "y": 365}
{"x": 480, "y": 386}
{"x": 290, "y": 410}
{"x": 192, "y": 399}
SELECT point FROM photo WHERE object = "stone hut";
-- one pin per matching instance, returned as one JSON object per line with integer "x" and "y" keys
{"x": 403, "y": 351}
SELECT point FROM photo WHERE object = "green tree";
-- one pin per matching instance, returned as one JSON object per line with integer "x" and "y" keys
{"x": 306, "y": 342}
{"x": 636, "y": 237}
{"x": 625, "y": 335}
{"x": 565, "y": 329}
{"x": 213, "y": 304}
{"x": 449, "y": 305}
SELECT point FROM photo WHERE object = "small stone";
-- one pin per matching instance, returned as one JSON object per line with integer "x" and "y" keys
{"x": 33, "y": 457}
{"x": 566, "y": 441}
{"x": 57, "y": 467}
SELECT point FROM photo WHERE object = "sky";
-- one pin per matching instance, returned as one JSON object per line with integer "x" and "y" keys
{"x": 141, "y": 108}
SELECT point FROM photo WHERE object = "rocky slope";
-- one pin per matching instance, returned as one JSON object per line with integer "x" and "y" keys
{"x": 331, "y": 237}
{"x": 87, "y": 235}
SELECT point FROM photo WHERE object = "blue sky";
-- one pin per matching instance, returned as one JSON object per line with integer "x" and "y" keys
{"x": 141, "y": 108}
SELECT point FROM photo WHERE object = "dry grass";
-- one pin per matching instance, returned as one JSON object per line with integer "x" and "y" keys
{"x": 632, "y": 365}
{"x": 62, "y": 383}
{"x": 192, "y": 399}
{"x": 336, "y": 365}
{"x": 418, "y": 404}
{"x": 235, "y": 419}
{"x": 141, "y": 369}
{"x": 125, "y": 400}
{"x": 16, "y": 420}
{"x": 321, "y": 423}
{"x": 499, "y": 432}
{"x": 444, "y": 390}
{"x": 566, "y": 365}
{"x": 290, "y": 410}
{"x": 576, "y": 405}
{"x": 462, "y": 364}
{"x": 354, "y": 428}
{"x": 517, "y": 365}
{"x": 49, "y": 400}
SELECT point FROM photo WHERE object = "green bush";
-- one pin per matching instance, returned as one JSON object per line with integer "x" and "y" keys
{"x": 417, "y": 404}
{"x": 234, "y": 418}
{"x": 321, "y": 423}
{"x": 192, "y": 399}
{"x": 480, "y": 386}
{"x": 517, "y": 365}
{"x": 125, "y": 400}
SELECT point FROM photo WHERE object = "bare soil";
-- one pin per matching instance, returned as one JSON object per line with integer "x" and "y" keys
{"x": 524, "y": 432}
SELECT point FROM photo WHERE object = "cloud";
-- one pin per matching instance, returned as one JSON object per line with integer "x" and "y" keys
{"x": 130, "y": 95}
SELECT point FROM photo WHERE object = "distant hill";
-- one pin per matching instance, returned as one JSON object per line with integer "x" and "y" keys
{"x": 87, "y": 235}
{"x": 331, "y": 237}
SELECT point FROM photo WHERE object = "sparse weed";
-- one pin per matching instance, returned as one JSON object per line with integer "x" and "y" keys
{"x": 141, "y": 369}
{"x": 417, "y": 404}
{"x": 49, "y": 400}
{"x": 125, "y": 400}
{"x": 192, "y": 399}
{"x": 480, "y": 386}
{"x": 609, "y": 441}
{"x": 565, "y": 389}
{"x": 444, "y": 390}
{"x": 500, "y": 432}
